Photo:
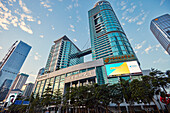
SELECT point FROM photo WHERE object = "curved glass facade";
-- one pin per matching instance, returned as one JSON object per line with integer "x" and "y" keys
{"x": 59, "y": 56}
{"x": 107, "y": 35}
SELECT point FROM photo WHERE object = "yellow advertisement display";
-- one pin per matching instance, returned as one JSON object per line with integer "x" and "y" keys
{"x": 118, "y": 69}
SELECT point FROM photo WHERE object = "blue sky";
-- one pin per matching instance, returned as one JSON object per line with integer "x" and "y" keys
{"x": 40, "y": 22}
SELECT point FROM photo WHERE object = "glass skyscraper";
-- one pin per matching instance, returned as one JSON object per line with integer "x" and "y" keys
{"x": 107, "y": 35}
{"x": 10, "y": 66}
{"x": 110, "y": 47}
{"x": 59, "y": 56}
{"x": 160, "y": 27}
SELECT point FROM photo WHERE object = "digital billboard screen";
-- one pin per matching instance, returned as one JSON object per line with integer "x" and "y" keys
{"x": 123, "y": 68}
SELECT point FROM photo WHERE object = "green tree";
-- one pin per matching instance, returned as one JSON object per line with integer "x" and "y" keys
{"x": 57, "y": 99}
{"x": 116, "y": 94}
{"x": 127, "y": 94}
{"x": 35, "y": 104}
{"x": 47, "y": 97}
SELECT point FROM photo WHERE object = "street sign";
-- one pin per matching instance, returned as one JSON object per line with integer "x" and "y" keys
{"x": 18, "y": 102}
{"x": 25, "y": 102}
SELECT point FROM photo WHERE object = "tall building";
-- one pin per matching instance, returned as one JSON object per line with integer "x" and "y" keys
{"x": 28, "y": 90}
{"x": 107, "y": 36}
{"x": 20, "y": 81}
{"x": 113, "y": 56}
{"x": 10, "y": 66}
{"x": 160, "y": 27}
{"x": 59, "y": 56}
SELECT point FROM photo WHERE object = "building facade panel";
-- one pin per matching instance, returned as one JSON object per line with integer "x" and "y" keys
{"x": 11, "y": 65}
{"x": 107, "y": 35}
{"x": 160, "y": 27}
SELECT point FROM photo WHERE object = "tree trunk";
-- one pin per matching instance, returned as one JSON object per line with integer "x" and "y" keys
{"x": 130, "y": 109}
{"x": 79, "y": 109}
{"x": 106, "y": 109}
{"x": 155, "y": 104}
{"x": 119, "y": 108}
{"x": 159, "y": 104}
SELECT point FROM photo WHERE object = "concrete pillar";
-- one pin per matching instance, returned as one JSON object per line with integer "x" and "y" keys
{"x": 96, "y": 79}
{"x": 79, "y": 83}
{"x": 70, "y": 84}
{"x": 87, "y": 82}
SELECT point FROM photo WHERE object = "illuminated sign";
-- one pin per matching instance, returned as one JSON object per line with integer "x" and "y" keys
{"x": 120, "y": 58}
{"x": 123, "y": 68}
{"x": 80, "y": 76}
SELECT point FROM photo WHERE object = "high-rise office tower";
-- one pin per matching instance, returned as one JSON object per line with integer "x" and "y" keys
{"x": 107, "y": 35}
{"x": 28, "y": 89}
{"x": 20, "y": 81}
{"x": 160, "y": 27}
{"x": 59, "y": 56}
{"x": 10, "y": 66}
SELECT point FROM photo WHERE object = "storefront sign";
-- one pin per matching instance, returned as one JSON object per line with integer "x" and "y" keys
{"x": 80, "y": 76}
{"x": 120, "y": 58}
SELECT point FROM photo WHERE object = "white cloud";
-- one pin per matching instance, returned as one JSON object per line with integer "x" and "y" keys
{"x": 39, "y": 22}
{"x": 122, "y": 3}
{"x": 73, "y": 30}
{"x": 143, "y": 19}
{"x": 41, "y": 36}
{"x": 60, "y": 0}
{"x": 147, "y": 49}
{"x": 37, "y": 56}
{"x": 123, "y": 7}
{"x": 15, "y": 17}
{"x": 162, "y": 1}
{"x": 50, "y": 10}
{"x": 158, "y": 45}
{"x": 123, "y": 24}
{"x": 0, "y": 47}
{"x": 139, "y": 23}
{"x": 45, "y": 5}
{"x": 71, "y": 26}
{"x": 75, "y": 40}
{"x": 52, "y": 27}
{"x": 69, "y": 7}
{"x": 140, "y": 45}
{"x": 25, "y": 27}
{"x": 131, "y": 10}
{"x": 23, "y": 6}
